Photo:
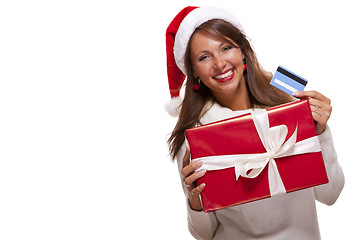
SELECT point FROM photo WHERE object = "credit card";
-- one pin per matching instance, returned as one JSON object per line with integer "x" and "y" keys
{"x": 288, "y": 81}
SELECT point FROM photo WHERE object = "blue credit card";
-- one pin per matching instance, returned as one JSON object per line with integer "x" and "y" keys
{"x": 288, "y": 81}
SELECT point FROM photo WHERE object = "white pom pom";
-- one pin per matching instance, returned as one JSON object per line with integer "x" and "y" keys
{"x": 173, "y": 106}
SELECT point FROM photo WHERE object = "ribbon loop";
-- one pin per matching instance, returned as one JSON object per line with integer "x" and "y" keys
{"x": 273, "y": 140}
{"x": 276, "y": 137}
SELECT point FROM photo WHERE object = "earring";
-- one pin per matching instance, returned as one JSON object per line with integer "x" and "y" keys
{"x": 244, "y": 65}
{"x": 196, "y": 85}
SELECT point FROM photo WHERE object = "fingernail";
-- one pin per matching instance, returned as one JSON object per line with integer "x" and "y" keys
{"x": 296, "y": 94}
{"x": 202, "y": 172}
{"x": 198, "y": 163}
{"x": 202, "y": 185}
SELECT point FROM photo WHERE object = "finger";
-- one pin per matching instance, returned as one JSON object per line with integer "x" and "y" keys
{"x": 317, "y": 116}
{"x": 186, "y": 162}
{"x": 306, "y": 94}
{"x": 190, "y": 168}
{"x": 315, "y": 109}
{"x": 312, "y": 94}
{"x": 320, "y": 107}
{"x": 323, "y": 104}
{"x": 321, "y": 114}
{"x": 198, "y": 189}
{"x": 186, "y": 158}
{"x": 193, "y": 177}
{"x": 320, "y": 122}
{"x": 321, "y": 117}
{"x": 323, "y": 110}
{"x": 315, "y": 102}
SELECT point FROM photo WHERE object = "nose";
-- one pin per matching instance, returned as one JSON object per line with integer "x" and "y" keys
{"x": 219, "y": 62}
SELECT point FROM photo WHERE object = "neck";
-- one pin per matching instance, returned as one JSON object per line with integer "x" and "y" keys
{"x": 237, "y": 100}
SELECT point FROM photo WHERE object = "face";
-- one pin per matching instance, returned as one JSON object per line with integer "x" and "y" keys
{"x": 218, "y": 64}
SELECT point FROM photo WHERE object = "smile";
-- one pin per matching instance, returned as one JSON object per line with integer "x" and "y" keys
{"x": 226, "y": 76}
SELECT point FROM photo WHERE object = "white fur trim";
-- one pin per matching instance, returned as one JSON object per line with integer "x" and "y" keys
{"x": 189, "y": 24}
{"x": 173, "y": 106}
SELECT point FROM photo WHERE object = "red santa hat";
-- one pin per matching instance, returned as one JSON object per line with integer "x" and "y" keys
{"x": 178, "y": 35}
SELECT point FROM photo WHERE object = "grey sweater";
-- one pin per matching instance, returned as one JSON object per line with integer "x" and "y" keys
{"x": 289, "y": 216}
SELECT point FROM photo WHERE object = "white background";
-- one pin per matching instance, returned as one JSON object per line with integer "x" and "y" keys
{"x": 83, "y": 130}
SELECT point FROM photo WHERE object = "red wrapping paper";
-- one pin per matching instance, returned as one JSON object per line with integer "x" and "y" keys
{"x": 239, "y": 136}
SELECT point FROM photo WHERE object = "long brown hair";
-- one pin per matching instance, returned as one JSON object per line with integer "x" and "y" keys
{"x": 261, "y": 93}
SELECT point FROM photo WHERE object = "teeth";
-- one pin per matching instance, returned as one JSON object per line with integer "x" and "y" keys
{"x": 227, "y": 74}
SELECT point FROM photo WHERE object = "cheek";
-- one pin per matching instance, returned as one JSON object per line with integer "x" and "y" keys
{"x": 236, "y": 59}
{"x": 201, "y": 70}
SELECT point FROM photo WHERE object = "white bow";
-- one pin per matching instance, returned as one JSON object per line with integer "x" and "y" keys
{"x": 275, "y": 146}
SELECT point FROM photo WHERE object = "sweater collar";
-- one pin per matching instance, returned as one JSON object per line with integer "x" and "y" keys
{"x": 215, "y": 112}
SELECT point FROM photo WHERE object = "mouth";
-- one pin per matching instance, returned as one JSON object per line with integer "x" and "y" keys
{"x": 225, "y": 76}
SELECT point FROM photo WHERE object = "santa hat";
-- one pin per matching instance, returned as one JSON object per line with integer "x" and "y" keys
{"x": 178, "y": 35}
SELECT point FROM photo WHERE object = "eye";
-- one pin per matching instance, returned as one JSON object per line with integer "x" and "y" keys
{"x": 203, "y": 57}
{"x": 226, "y": 48}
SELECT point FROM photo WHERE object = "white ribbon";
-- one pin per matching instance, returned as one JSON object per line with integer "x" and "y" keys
{"x": 273, "y": 139}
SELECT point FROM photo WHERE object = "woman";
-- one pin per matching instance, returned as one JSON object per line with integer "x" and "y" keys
{"x": 224, "y": 79}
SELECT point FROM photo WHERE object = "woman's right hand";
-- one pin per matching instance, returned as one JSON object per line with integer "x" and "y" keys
{"x": 189, "y": 177}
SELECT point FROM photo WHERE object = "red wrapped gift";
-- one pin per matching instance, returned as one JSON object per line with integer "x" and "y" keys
{"x": 257, "y": 155}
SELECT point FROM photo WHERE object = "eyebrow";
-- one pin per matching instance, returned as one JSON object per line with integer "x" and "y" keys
{"x": 220, "y": 46}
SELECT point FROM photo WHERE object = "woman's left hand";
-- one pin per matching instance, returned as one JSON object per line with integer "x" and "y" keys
{"x": 320, "y": 108}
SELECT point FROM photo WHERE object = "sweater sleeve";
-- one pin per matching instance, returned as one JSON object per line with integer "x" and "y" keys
{"x": 201, "y": 225}
{"x": 328, "y": 193}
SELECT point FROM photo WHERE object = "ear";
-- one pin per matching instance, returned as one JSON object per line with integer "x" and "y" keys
{"x": 243, "y": 56}
{"x": 194, "y": 74}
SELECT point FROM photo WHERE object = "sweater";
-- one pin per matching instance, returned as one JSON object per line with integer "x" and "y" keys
{"x": 288, "y": 216}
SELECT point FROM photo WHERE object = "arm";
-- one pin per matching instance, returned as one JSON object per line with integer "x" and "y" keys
{"x": 329, "y": 192}
{"x": 201, "y": 225}
{"x": 321, "y": 111}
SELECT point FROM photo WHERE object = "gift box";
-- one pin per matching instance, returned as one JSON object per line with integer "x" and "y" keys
{"x": 257, "y": 155}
